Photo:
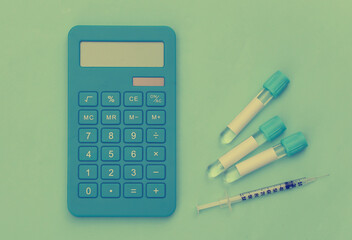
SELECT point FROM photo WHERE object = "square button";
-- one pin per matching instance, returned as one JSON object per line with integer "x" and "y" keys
{"x": 133, "y": 190}
{"x": 155, "y": 190}
{"x": 110, "y": 153}
{"x": 133, "y": 135}
{"x": 133, "y": 154}
{"x": 110, "y": 117}
{"x": 88, "y": 172}
{"x": 88, "y": 117}
{"x": 88, "y": 135}
{"x": 110, "y": 172}
{"x": 88, "y": 99}
{"x": 133, "y": 99}
{"x": 110, "y": 135}
{"x": 155, "y": 153}
{"x": 155, "y": 172}
{"x": 155, "y": 99}
{"x": 88, "y": 153}
{"x": 110, "y": 190}
{"x": 156, "y": 117}
{"x": 87, "y": 190}
{"x": 133, "y": 172}
{"x": 155, "y": 135}
{"x": 110, "y": 99}
{"x": 133, "y": 117}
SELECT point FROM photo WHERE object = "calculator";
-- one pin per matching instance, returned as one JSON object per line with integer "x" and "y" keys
{"x": 121, "y": 121}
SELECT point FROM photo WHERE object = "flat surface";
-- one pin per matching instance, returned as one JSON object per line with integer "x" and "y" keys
{"x": 225, "y": 51}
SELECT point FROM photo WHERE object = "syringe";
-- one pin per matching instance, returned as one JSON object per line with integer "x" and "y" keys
{"x": 261, "y": 192}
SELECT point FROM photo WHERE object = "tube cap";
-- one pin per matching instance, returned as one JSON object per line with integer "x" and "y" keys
{"x": 294, "y": 143}
{"x": 272, "y": 128}
{"x": 276, "y": 83}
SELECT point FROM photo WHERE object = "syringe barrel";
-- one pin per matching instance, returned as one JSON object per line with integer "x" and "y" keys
{"x": 273, "y": 189}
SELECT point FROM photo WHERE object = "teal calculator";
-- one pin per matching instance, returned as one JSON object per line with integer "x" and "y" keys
{"x": 121, "y": 121}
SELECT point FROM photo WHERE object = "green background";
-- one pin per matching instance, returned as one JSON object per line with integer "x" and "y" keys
{"x": 225, "y": 51}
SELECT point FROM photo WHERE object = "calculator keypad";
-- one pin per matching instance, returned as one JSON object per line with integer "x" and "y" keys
{"x": 121, "y": 147}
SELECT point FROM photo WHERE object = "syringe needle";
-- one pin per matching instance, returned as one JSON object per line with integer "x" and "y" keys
{"x": 313, "y": 179}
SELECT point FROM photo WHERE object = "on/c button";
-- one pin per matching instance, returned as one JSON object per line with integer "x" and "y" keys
{"x": 133, "y": 99}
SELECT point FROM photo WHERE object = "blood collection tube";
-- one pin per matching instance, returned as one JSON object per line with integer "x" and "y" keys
{"x": 268, "y": 131}
{"x": 272, "y": 88}
{"x": 287, "y": 147}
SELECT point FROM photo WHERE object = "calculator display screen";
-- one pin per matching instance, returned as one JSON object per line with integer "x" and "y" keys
{"x": 121, "y": 54}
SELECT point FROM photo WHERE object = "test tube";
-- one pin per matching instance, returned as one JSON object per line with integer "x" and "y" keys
{"x": 272, "y": 88}
{"x": 288, "y": 147}
{"x": 268, "y": 131}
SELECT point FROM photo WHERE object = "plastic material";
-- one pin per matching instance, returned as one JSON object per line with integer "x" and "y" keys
{"x": 246, "y": 115}
{"x": 227, "y": 136}
{"x": 238, "y": 152}
{"x": 276, "y": 83}
{"x": 257, "y": 161}
{"x": 272, "y": 128}
{"x": 260, "y": 192}
{"x": 294, "y": 143}
{"x": 110, "y": 89}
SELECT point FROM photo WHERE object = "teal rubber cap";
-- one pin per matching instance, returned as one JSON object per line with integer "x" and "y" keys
{"x": 272, "y": 128}
{"x": 294, "y": 143}
{"x": 276, "y": 83}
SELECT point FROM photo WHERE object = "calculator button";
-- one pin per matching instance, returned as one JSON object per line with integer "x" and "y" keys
{"x": 155, "y": 135}
{"x": 88, "y": 99}
{"x": 133, "y": 172}
{"x": 155, "y": 190}
{"x": 88, "y": 117}
{"x": 111, "y": 172}
{"x": 110, "y": 153}
{"x": 87, "y": 190}
{"x": 133, "y": 117}
{"x": 110, "y": 190}
{"x": 133, "y": 135}
{"x": 110, "y": 99}
{"x": 155, "y": 153}
{"x": 133, "y": 190}
{"x": 110, "y": 135}
{"x": 88, "y": 135}
{"x": 110, "y": 117}
{"x": 88, "y": 172}
{"x": 155, "y": 172}
{"x": 156, "y": 117}
{"x": 88, "y": 153}
{"x": 155, "y": 99}
{"x": 133, "y": 154}
{"x": 133, "y": 99}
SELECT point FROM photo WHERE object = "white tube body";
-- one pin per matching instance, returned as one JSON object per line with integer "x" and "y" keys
{"x": 238, "y": 152}
{"x": 257, "y": 161}
{"x": 246, "y": 115}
